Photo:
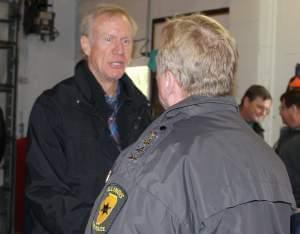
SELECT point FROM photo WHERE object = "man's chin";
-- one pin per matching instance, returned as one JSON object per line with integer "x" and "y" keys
{"x": 258, "y": 120}
{"x": 117, "y": 76}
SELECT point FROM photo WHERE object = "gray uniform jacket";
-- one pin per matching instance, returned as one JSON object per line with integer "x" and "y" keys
{"x": 198, "y": 168}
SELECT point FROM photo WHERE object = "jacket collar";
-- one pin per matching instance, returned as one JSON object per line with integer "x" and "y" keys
{"x": 84, "y": 80}
{"x": 187, "y": 106}
{"x": 287, "y": 130}
{"x": 81, "y": 74}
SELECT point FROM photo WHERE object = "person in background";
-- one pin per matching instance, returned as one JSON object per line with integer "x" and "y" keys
{"x": 255, "y": 106}
{"x": 198, "y": 168}
{"x": 288, "y": 145}
{"x": 78, "y": 128}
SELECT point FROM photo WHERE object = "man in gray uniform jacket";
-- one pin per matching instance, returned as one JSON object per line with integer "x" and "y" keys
{"x": 198, "y": 168}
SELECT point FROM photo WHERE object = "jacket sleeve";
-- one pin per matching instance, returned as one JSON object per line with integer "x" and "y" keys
{"x": 53, "y": 207}
{"x": 290, "y": 157}
{"x": 141, "y": 213}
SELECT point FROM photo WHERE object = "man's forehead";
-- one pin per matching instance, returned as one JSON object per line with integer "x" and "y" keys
{"x": 107, "y": 22}
{"x": 262, "y": 101}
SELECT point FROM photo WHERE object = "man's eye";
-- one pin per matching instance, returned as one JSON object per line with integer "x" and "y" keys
{"x": 108, "y": 38}
{"x": 126, "y": 41}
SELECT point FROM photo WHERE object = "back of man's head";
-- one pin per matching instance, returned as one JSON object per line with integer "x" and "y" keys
{"x": 200, "y": 53}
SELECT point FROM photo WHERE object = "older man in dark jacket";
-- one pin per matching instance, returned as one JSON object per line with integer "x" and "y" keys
{"x": 78, "y": 128}
{"x": 198, "y": 168}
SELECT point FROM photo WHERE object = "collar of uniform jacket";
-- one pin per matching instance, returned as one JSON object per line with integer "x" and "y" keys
{"x": 204, "y": 103}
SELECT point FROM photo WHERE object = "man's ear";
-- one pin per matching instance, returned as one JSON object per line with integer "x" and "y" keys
{"x": 174, "y": 91}
{"x": 295, "y": 109}
{"x": 246, "y": 102}
{"x": 85, "y": 45}
{"x": 170, "y": 80}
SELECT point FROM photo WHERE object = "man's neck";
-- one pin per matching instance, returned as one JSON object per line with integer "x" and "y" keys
{"x": 110, "y": 88}
{"x": 244, "y": 115}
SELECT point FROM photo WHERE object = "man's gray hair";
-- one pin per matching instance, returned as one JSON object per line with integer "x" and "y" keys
{"x": 102, "y": 9}
{"x": 201, "y": 54}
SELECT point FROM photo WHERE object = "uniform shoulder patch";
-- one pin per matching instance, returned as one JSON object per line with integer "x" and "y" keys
{"x": 112, "y": 200}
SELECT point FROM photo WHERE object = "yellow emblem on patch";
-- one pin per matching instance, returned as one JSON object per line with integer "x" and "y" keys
{"x": 112, "y": 200}
{"x": 106, "y": 207}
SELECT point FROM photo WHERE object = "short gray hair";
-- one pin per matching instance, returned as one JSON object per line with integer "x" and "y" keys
{"x": 201, "y": 54}
{"x": 101, "y": 9}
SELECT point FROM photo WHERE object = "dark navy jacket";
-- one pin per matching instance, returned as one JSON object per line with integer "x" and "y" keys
{"x": 288, "y": 148}
{"x": 71, "y": 150}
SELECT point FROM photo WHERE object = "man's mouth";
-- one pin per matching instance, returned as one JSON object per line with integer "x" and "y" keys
{"x": 117, "y": 64}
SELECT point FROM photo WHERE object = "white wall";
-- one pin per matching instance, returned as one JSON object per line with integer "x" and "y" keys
{"x": 244, "y": 28}
{"x": 43, "y": 64}
{"x": 253, "y": 28}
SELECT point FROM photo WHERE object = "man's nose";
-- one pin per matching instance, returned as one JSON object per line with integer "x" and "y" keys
{"x": 261, "y": 113}
{"x": 118, "y": 48}
{"x": 265, "y": 112}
